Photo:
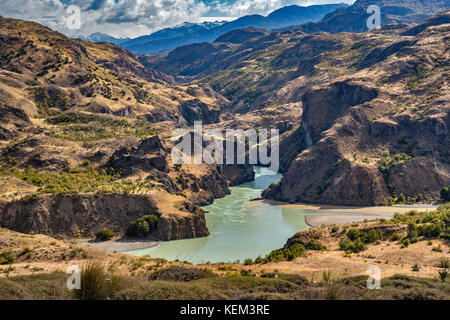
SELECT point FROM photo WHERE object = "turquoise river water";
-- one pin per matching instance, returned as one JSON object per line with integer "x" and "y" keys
{"x": 239, "y": 228}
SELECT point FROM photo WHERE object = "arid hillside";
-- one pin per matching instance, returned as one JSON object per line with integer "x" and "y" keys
{"x": 379, "y": 128}
{"x": 354, "y": 17}
{"x": 85, "y": 127}
{"x": 366, "y": 114}
{"x": 85, "y": 151}
{"x": 364, "y": 119}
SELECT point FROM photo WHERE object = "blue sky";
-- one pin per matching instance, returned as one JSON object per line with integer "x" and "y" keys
{"x": 132, "y": 18}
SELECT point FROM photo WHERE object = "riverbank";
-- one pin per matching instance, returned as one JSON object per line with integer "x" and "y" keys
{"x": 122, "y": 245}
{"x": 334, "y": 215}
{"x": 263, "y": 226}
{"x": 40, "y": 254}
{"x": 344, "y": 214}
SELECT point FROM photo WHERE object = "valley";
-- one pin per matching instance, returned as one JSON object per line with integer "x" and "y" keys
{"x": 88, "y": 175}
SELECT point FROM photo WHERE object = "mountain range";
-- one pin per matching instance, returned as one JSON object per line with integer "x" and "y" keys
{"x": 87, "y": 133}
{"x": 102, "y": 37}
{"x": 187, "y": 33}
{"x": 354, "y": 18}
{"x": 351, "y": 107}
{"x": 373, "y": 105}
{"x": 331, "y": 18}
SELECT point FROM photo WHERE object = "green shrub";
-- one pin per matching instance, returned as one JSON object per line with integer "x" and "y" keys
{"x": 389, "y": 162}
{"x": 44, "y": 100}
{"x": 397, "y": 236}
{"x": 406, "y": 242}
{"x": 445, "y": 194}
{"x": 358, "y": 239}
{"x": 104, "y": 234}
{"x": 160, "y": 262}
{"x": 136, "y": 265}
{"x": 314, "y": 245}
{"x": 350, "y": 246}
{"x": 259, "y": 260}
{"x": 413, "y": 233}
{"x": 226, "y": 268}
{"x": 438, "y": 248}
{"x": 369, "y": 236}
{"x": 75, "y": 181}
{"x": 284, "y": 254}
{"x": 415, "y": 267}
{"x": 420, "y": 75}
{"x": 248, "y": 262}
{"x": 142, "y": 226}
{"x": 246, "y": 273}
{"x": 6, "y": 257}
{"x": 360, "y": 245}
{"x": 353, "y": 234}
{"x": 347, "y": 246}
{"x": 443, "y": 275}
{"x": 444, "y": 263}
{"x": 430, "y": 230}
{"x": 179, "y": 273}
{"x": 432, "y": 224}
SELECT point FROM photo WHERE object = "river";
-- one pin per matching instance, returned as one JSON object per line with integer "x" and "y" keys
{"x": 239, "y": 228}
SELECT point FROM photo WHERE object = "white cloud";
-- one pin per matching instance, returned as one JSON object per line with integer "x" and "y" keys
{"x": 264, "y": 7}
{"x": 132, "y": 18}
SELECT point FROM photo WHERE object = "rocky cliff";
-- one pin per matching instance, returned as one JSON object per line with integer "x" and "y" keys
{"x": 81, "y": 215}
{"x": 378, "y": 133}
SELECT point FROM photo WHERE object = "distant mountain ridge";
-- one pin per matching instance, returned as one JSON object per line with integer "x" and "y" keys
{"x": 188, "y": 33}
{"x": 181, "y": 30}
{"x": 354, "y": 18}
{"x": 178, "y": 31}
{"x": 102, "y": 37}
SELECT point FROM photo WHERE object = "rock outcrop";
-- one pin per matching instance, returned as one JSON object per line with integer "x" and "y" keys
{"x": 195, "y": 110}
{"x": 369, "y": 137}
{"x": 150, "y": 154}
{"x": 239, "y": 173}
{"x": 322, "y": 106}
{"x": 82, "y": 215}
{"x": 12, "y": 121}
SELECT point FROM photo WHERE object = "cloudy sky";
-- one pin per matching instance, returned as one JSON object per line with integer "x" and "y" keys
{"x": 132, "y": 18}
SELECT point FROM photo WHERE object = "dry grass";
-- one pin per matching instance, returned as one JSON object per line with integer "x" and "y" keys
{"x": 51, "y": 286}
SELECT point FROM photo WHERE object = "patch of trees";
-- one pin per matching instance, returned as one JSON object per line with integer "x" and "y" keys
{"x": 143, "y": 226}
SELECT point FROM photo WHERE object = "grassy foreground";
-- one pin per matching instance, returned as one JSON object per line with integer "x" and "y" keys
{"x": 186, "y": 283}
{"x": 327, "y": 262}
